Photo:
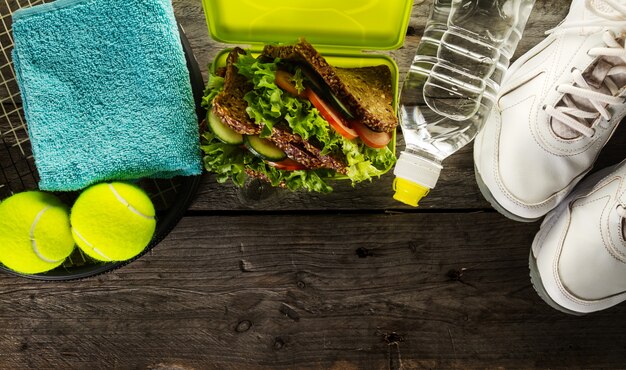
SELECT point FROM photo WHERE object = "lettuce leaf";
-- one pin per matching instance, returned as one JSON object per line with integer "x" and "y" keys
{"x": 268, "y": 105}
{"x": 230, "y": 161}
{"x": 213, "y": 87}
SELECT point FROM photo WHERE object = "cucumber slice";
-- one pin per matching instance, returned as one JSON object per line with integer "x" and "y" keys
{"x": 335, "y": 102}
{"x": 264, "y": 148}
{"x": 320, "y": 88}
{"x": 222, "y": 131}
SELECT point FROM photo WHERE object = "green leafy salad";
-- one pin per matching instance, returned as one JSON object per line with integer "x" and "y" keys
{"x": 294, "y": 145}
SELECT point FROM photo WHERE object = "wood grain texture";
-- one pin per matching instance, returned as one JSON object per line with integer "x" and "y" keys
{"x": 351, "y": 291}
{"x": 456, "y": 189}
{"x": 306, "y": 281}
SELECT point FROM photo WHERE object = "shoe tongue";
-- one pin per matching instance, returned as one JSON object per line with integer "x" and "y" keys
{"x": 572, "y": 101}
{"x": 596, "y": 73}
{"x": 595, "y": 76}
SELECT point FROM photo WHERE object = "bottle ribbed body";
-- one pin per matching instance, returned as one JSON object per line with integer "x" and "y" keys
{"x": 453, "y": 81}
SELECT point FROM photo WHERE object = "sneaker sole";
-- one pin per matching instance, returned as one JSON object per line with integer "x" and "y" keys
{"x": 547, "y": 224}
{"x": 535, "y": 279}
{"x": 494, "y": 203}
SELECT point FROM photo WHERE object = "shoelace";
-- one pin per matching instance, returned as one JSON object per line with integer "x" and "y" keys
{"x": 613, "y": 27}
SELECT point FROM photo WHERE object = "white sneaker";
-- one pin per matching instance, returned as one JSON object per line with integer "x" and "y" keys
{"x": 558, "y": 106}
{"x": 578, "y": 259}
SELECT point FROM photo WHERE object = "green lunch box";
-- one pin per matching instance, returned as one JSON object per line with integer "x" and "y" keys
{"x": 340, "y": 30}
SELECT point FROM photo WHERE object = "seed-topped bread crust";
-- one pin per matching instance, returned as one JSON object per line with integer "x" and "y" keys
{"x": 366, "y": 91}
{"x": 229, "y": 104}
{"x": 230, "y": 107}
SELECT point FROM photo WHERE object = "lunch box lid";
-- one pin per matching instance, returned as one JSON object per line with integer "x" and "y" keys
{"x": 327, "y": 24}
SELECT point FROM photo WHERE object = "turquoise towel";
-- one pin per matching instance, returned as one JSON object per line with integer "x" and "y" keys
{"x": 106, "y": 92}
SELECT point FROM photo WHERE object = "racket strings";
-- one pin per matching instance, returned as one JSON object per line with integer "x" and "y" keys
{"x": 17, "y": 169}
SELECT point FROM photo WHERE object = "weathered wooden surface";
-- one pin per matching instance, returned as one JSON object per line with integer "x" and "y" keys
{"x": 350, "y": 280}
{"x": 368, "y": 291}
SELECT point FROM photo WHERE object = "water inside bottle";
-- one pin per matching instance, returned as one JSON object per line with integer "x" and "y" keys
{"x": 457, "y": 70}
{"x": 452, "y": 84}
{"x": 468, "y": 55}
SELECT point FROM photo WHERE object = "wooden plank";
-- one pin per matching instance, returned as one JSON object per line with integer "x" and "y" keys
{"x": 289, "y": 289}
{"x": 456, "y": 189}
{"x": 366, "y": 291}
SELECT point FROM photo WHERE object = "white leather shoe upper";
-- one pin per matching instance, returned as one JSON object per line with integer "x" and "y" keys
{"x": 558, "y": 106}
{"x": 580, "y": 250}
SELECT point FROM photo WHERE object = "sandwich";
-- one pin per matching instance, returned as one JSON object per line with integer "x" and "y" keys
{"x": 289, "y": 118}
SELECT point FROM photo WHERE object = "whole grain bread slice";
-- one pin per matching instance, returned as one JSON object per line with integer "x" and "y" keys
{"x": 303, "y": 152}
{"x": 367, "y": 91}
{"x": 229, "y": 104}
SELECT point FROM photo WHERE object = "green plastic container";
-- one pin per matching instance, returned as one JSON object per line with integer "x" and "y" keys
{"x": 341, "y": 30}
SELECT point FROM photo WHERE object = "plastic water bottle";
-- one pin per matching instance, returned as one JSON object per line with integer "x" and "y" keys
{"x": 452, "y": 84}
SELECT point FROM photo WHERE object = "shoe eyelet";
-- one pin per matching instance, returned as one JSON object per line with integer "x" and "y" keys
{"x": 544, "y": 107}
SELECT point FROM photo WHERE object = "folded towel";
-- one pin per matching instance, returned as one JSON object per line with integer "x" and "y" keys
{"x": 106, "y": 92}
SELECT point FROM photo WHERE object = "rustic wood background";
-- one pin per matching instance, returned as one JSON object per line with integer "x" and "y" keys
{"x": 351, "y": 280}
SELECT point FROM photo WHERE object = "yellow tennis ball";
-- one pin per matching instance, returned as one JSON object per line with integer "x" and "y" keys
{"x": 35, "y": 232}
{"x": 113, "y": 221}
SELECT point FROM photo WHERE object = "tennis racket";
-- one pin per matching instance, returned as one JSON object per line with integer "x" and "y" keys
{"x": 18, "y": 173}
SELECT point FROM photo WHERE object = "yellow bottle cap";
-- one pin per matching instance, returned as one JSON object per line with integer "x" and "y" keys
{"x": 408, "y": 192}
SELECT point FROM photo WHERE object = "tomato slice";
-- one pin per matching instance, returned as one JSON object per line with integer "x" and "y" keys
{"x": 372, "y": 138}
{"x": 287, "y": 165}
{"x": 283, "y": 80}
{"x": 333, "y": 117}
